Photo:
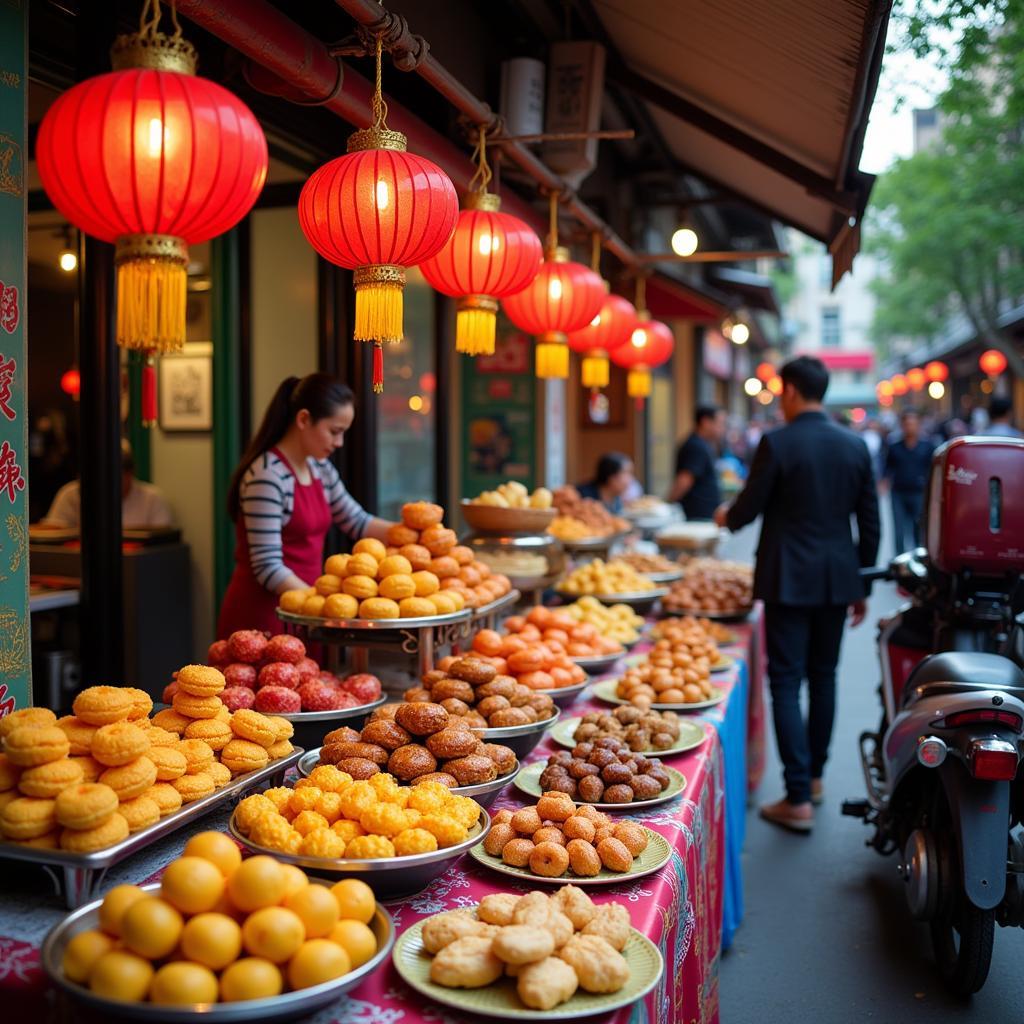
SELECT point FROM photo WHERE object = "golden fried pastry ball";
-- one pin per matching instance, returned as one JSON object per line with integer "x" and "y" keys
{"x": 466, "y": 963}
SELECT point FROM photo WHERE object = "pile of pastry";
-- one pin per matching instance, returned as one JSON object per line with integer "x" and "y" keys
{"x": 514, "y": 495}
{"x": 711, "y": 585}
{"x": 552, "y": 945}
{"x": 598, "y": 521}
{"x": 87, "y": 781}
{"x": 606, "y": 772}
{"x": 636, "y": 730}
{"x": 417, "y": 742}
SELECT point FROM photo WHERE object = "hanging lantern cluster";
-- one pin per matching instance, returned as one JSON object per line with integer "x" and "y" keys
{"x": 992, "y": 362}
{"x": 490, "y": 256}
{"x": 649, "y": 346}
{"x": 563, "y": 297}
{"x": 916, "y": 378}
{"x": 378, "y": 210}
{"x": 610, "y": 329}
{"x": 936, "y": 371}
{"x": 154, "y": 159}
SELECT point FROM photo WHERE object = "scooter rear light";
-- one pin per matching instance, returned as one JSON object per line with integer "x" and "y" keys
{"x": 983, "y": 715}
{"x": 931, "y": 751}
{"x": 993, "y": 760}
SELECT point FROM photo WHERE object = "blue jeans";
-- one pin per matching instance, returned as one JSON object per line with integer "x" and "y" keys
{"x": 906, "y": 519}
{"x": 803, "y": 643}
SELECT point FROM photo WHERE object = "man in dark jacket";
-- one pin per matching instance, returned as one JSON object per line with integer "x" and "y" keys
{"x": 807, "y": 479}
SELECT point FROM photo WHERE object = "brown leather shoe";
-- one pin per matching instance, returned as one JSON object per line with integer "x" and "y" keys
{"x": 795, "y": 817}
{"x": 817, "y": 792}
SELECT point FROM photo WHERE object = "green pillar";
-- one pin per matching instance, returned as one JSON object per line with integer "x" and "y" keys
{"x": 227, "y": 439}
{"x": 138, "y": 435}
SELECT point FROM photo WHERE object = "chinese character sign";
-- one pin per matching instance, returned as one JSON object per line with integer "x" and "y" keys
{"x": 15, "y": 646}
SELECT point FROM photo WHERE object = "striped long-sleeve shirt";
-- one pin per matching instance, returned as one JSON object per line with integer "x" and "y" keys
{"x": 266, "y": 500}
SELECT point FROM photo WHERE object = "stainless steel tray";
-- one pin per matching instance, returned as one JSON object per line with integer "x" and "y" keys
{"x": 83, "y": 871}
{"x": 736, "y": 615}
{"x": 637, "y": 599}
{"x": 597, "y": 665}
{"x": 565, "y": 696}
{"x": 286, "y": 1006}
{"x": 340, "y": 715}
{"x": 665, "y": 576}
{"x": 595, "y": 543}
{"x": 390, "y": 878}
{"x": 484, "y": 793}
{"x": 488, "y": 610}
{"x": 521, "y": 738}
{"x": 375, "y": 625}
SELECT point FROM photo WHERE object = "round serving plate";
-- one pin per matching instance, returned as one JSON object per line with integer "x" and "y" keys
{"x": 494, "y": 519}
{"x": 390, "y": 878}
{"x": 588, "y": 544}
{"x": 605, "y": 690}
{"x": 520, "y": 738}
{"x": 374, "y": 625}
{"x": 639, "y": 601}
{"x": 665, "y": 576}
{"x": 601, "y": 663}
{"x": 412, "y": 962}
{"x": 286, "y": 1006}
{"x": 566, "y": 696}
{"x": 484, "y": 793}
{"x": 691, "y": 735}
{"x": 528, "y": 782}
{"x": 654, "y": 857}
{"x": 737, "y": 615}
{"x": 724, "y": 663}
{"x": 312, "y": 726}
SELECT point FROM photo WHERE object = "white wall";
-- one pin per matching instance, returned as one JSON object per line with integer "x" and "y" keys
{"x": 284, "y": 314}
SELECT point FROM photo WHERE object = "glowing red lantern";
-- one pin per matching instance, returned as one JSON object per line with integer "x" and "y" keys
{"x": 563, "y": 297}
{"x": 490, "y": 255}
{"x": 154, "y": 159}
{"x": 992, "y": 362}
{"x": 764, "y": 372}
{"x": 650, "y": 345}
{"x": 936, "y": 370}
{"x": 377, "y": 210}
{"x": 610, "y": 329}
{"x": 916, "y": 378}
{"x": 899, "y": 384}
{"x": 774, "y": 385}
{"x": 71, "y": 382}
{"x": 884, "y": 389}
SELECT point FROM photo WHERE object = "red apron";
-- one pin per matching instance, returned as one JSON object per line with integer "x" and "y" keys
{"x": 247, "y": 604}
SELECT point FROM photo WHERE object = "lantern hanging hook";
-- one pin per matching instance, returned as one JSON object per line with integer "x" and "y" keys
{"x": 482, "y": 175}
{"x": 379, "y": 106}
{"x": 151, "y": 16}
{"x": 596, "y": 242}
{"x": 553, "y": 219}
{"x": 641, "y": 292}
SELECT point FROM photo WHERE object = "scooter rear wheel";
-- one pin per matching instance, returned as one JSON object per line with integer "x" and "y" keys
{"x": 962, "y": 935}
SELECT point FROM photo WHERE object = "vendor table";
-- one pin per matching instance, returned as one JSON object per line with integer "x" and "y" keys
{"x": 690, "y": 908}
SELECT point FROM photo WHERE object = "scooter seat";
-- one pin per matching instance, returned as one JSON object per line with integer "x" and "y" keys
{"x": 959, "y": 671}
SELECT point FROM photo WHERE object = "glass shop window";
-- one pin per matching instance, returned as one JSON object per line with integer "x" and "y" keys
{"x": 831, "y": 329}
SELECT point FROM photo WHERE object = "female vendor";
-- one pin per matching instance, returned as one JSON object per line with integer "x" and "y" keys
{"x": 612, "y": 482}
{"x": 284, "y": 496}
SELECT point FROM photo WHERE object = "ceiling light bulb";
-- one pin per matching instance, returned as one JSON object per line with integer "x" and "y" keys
{"x": 752, "y": 386}
{"x": 684, "y": 242}
{"x": 68, "y": 261}
{"x": 740, "y": 334}
{"x": 936, "y": 389}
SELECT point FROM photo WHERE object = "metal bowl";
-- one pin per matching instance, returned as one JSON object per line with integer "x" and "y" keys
{"x": 601, "y": 663}
{"x": 391, "y": 878}
{"x": 287, "y": 1006}
{"x": 640, "y": 601}
{"x": 520, "y": 738}
{"x": 484, "y": 793}
{"x": 492, "y": 519}
{"x": 566, "y": 696}
{"x": 312, "y": 726}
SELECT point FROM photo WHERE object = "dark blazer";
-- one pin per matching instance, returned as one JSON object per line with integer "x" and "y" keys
{"x": 807, "y": 479}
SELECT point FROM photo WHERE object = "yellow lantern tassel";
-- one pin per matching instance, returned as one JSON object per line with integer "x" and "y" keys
{"x": 151, "y": 292}
{"x": 379, "y": 303}
{"x": 638, "y": 383}
{"x": 552, "y": 359}
{"x": 595, "y": 370}
{"x": 474, "y": 332}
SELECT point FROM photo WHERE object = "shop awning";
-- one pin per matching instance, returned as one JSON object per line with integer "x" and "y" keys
{"x": 757, "y": 290}
{"x": 768, "y": 101}
{"x": 667, "y": 298}
{"x": 836, "y": 359}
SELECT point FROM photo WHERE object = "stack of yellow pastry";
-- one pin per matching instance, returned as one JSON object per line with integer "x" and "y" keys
{"x": 617, "y": 621}
{"x": 332, "y": 815}
{"x": 600, "y": 577}
{"x": 88, "y": 780}
{"x": 422, "y": 571}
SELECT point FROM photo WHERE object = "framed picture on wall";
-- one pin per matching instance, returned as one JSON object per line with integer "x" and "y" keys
{"x": 605, "y": 408}
{"x": 186, "y": 389}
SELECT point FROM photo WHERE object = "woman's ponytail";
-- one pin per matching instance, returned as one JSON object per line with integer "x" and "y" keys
{"x": 319, "y": 393}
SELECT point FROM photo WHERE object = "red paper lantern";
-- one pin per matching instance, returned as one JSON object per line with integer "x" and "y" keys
{"x": 71, "y": 382}
{"x": 610, "y": 329}
{"x": 916, "y": 378}
{"x": 884, "y": 389}
{"x": 774, "y": 385}
{"x": 992, "y": 362}
{"x": 650, "y": 345}
{"x": 936, "y": 370}
{"x": 154, "y": 159}
{"x": 900, "y": 386}
{"x": 562, "y": 298}
{"x": 764, "y": 372}
{"x": 489, "y": 256}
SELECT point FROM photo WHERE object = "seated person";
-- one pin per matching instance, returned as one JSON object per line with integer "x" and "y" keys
{"x": 142, "y": 505}
{"x": 614, "y": 478}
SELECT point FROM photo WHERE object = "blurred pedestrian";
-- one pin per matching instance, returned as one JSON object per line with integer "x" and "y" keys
{"x": 807, "y": 481}
{"x": 696, "y": 483}
{"x": 612, "y": 482}
{"x": 1000, "y": 411}
{"x": 907, "y": 465}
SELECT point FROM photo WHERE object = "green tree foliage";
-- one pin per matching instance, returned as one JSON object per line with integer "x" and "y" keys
{"x": 948, "y": 222}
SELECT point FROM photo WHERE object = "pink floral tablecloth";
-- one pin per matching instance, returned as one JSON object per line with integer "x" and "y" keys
{"x": 679, "y": 908}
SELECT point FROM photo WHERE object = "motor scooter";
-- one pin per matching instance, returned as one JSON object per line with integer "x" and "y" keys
{"x": 941, "y": 770}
